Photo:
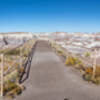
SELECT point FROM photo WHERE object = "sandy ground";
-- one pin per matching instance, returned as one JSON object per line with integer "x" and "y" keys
{"x": 50, "y": 79}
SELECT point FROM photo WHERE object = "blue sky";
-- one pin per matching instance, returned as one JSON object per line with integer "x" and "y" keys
{"x": 49, "y": 15}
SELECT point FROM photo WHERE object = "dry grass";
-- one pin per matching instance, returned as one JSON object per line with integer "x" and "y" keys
{"x": 75, "y": 62}
{"x": 89, "y": 73}
{"x": 10, "y": 86}
{"x": 87, "y": 54}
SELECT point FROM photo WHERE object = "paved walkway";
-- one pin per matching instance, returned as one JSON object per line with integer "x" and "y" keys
{"x": 51, "y": 80}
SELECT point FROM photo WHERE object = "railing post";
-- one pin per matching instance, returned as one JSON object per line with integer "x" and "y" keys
{"x": 20, "y": 56}
{"x": 94, "y": 63}
{"x": 2, "y": 65}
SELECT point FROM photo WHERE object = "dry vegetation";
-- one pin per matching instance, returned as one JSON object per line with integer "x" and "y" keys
{"x": 12, "y": 67}
{"x": 88, "y": 75}
{"x": 70, "y": 61}
{"x": 75, "y": 62}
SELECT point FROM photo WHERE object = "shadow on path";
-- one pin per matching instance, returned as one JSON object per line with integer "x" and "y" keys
{"x": 27, "y": 65}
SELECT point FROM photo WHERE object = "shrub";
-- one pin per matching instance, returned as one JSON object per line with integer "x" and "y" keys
{"x": 87, "y": 77}
{"x": 79, "y": 65}
{"x": 18, "y": 90}
{"x": 13, "y": 92}
{"x": 87, "y": 54}
{"x": 9, "y": 86}
{"x": 13, "y": 52}
{"x": 11, "y": 76}
{"x": 59, "y": 51}
{"x": 89, "y": 73}
{"x": 70, "y": 61}
{"x": 94, "y": 80}
{"x": 73, "y": 61}
{"x": 89, "y": 70}
{"x": 25, "y": 52}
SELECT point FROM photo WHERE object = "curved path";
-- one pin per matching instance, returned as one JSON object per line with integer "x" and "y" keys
{"x": 50, "y": 80}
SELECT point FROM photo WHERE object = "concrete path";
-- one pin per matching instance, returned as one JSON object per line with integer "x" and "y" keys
{"x": 50, "y": 80}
